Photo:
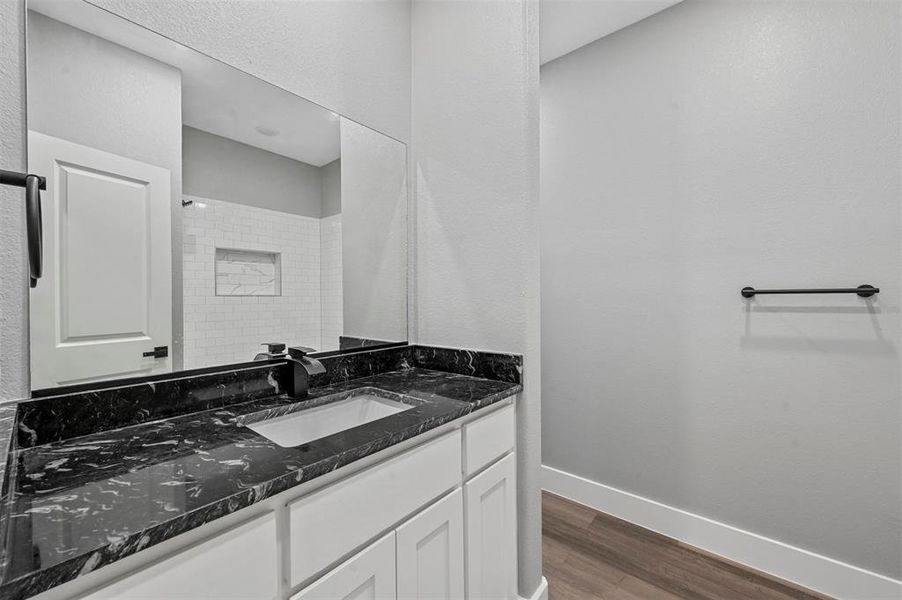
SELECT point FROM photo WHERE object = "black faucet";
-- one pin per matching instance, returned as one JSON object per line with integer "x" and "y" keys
{"x": 300, "y": 366}
{"x": 273, "y": 350}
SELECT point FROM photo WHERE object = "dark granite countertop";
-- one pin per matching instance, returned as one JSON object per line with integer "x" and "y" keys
{"x": 73, "y": 505}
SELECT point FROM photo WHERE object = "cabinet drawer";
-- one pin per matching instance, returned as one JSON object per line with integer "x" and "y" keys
{"x": 488, "y": 438}
{"x": 331, "y": 522}
{"x": 368, "y": 574}
{"x": 209, "y": 569}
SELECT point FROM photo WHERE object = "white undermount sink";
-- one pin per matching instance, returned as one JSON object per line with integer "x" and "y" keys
{"x": 310, "y": 424}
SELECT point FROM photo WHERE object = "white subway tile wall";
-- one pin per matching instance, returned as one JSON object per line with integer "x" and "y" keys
{"x": 330, "y": 275}
{"x": 228, "y": 329}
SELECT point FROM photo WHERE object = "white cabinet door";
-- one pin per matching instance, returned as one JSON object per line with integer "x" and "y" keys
{"x": 369, "y": 575}
{"x": 491, "y": 523}
{"x": 240, "y": 564}
{"x": 431, "y": 552}
{"x": 106, "y": 295}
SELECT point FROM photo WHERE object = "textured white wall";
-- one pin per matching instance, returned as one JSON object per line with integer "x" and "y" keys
{"x": 229, "y": 329}
{"x": 14, "y": 373}
{"x": 713, "y": 146}
{"x": 352, "y": 57}
{"x": 475, "y": 155}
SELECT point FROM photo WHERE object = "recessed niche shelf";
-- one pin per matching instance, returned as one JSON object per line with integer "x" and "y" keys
{"x": 248, "y": 273}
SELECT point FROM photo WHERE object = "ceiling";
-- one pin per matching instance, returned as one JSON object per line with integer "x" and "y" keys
{"x": 570, "y": 24}
{"x": 227, "y": 102}
{"x": 217, "y": 98}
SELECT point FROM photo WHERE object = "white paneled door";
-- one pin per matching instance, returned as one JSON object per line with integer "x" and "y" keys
{"x": 105, "y": 301}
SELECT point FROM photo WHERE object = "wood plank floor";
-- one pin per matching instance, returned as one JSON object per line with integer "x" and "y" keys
{"x": 591, "y": 555}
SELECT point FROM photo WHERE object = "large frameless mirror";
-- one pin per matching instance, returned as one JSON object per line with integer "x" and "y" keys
{"x": 194, "y": 212}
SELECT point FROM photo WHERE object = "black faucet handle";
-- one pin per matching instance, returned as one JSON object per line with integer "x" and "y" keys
{"x": 300, "y": 351}
{"x": 274, "y": 347}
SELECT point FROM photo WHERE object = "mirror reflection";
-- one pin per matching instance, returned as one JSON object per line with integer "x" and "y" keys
{"x": 194, "y": 212}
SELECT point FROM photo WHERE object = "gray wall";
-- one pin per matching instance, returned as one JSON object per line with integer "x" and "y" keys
{"x": 713, "y": 146}
{"x": 90, "y": 91}
{"x": 223, "y": 169}
{"x": 331, "y": 188}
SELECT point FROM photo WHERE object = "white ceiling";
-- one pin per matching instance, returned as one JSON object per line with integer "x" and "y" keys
{"x": 222, "y": 100}
{"x": 218, "y": 98}
{"x": 570, "y": 24}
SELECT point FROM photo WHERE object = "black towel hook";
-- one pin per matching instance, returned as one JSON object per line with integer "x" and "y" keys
{"x": 33, "y": 185}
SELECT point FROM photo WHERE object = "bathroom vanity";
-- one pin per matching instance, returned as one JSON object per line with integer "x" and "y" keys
{"x": 414, "y": 496}
{"x": 191, "y": 213}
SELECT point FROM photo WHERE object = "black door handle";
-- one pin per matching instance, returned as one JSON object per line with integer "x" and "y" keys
{"x": 157, "y": 352}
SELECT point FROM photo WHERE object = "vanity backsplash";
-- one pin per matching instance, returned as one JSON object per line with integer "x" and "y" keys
{"x": 54, "y": 418}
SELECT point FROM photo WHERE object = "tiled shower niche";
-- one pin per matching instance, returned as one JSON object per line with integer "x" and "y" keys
{"x": 248, "y": 273}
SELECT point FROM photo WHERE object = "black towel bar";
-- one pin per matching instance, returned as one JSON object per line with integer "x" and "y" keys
{"x": 33, "y": 185}
{"x": 18, "y": 179}
{"x": 865, "y": 291}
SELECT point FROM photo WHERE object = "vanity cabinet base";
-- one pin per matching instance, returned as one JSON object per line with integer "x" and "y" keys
{"x": 419, "y": 524}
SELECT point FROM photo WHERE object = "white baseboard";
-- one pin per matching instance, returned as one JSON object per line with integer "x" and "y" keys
{"x": 541, "y": 592}
{"x": 813, "y": 571}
